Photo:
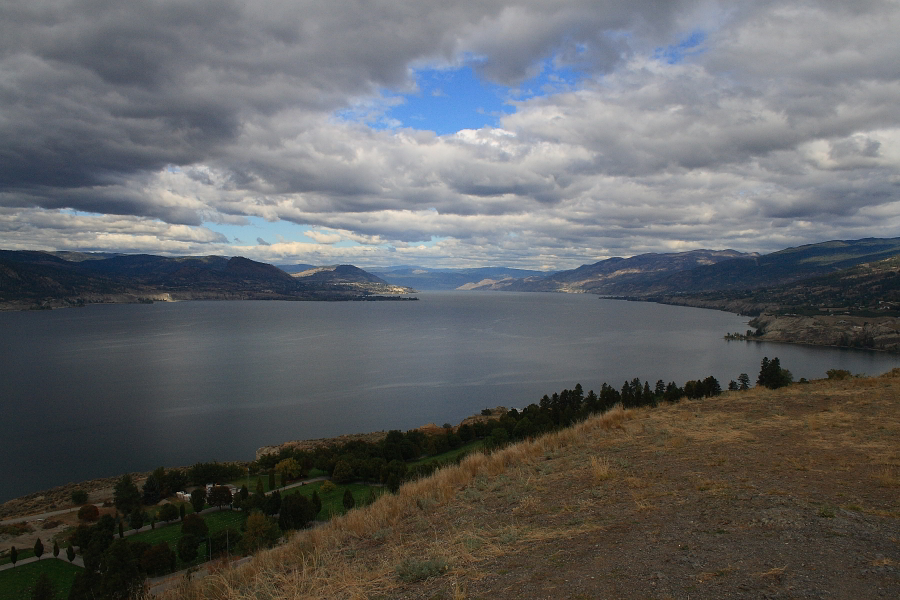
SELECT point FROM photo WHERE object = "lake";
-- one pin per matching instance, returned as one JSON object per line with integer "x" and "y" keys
{"x": 104, "y": 390}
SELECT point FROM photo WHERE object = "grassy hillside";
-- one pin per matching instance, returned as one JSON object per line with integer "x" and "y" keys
{"x": 785, "y": 493}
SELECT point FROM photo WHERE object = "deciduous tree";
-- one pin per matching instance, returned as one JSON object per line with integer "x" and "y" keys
{"x": 194, "y": 524}
{"x": 219, "y": 496}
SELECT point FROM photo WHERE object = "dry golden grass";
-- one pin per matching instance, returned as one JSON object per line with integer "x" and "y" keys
{"x": 590, "y": 489}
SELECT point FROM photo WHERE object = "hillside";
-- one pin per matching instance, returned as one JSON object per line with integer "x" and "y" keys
{"x": 699, "y": 271}
{"x": 51, "y": 280}
{"x": 422, "y": 278}
{"x": 791, "y": 493}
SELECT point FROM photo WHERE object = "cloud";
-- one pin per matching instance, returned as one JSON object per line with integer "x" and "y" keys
{"x": 262, "y": 242}
{"x": 155, "y": 122}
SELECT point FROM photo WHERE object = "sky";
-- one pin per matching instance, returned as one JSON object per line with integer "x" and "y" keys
{"x": 540, "y": 134}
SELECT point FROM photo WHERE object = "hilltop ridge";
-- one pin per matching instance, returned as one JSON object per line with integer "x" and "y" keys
{"x": 761, "y": 493}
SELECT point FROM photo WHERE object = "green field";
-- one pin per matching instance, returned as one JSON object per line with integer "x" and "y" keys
{"x": 451, "y": 456}
{"x": 216, "y": 521}
{"x": 333, "y": 502}
{"x": 18, "y": 583}
{"x": 25, "y": 553}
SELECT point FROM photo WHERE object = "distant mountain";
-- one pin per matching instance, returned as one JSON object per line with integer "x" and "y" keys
{"x": 701, "y": 271}
{"x": 44, "y": 279}
{"x": 423, "y": 278}
{"x": 617, "y": 276}
{"x": 298, "y": 268}
{"x": 868, "y": 289}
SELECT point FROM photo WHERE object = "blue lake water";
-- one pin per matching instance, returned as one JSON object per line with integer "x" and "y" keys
{"x": 105, "y": 390}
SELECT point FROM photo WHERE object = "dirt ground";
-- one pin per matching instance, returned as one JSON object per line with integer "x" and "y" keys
{"x": 760, "y": 494}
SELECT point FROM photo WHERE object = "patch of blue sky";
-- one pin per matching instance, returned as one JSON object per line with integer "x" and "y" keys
{"x": 260, "y": 229}
{"x": 447, "y": 100}
{"x": 688, "y": 46}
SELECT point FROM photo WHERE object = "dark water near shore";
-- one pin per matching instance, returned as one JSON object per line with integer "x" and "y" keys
{"x": 105, "y": 390}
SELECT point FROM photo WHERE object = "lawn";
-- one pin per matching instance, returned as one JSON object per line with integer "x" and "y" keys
{"x": 216, "y": 521}
{"x": 24, "y": 553}
{"x": 18, "y": 583}
{"x": 450, "y": 456}
{"x": 333, "y": 502}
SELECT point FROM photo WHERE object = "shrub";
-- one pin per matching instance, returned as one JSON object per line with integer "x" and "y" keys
{"x": 187, "y": 548}
{"x": 158, "y": 560}
{"x": 328, "y": 487}
{"x": 411, "y": 570}
{"x": 194, "y": 524}
{"x": 349, "y": 502}
{"x": 79, "y": 497}
{"x": 168, "y": 512}
{"x": 838, "y": 374}
{"x": 88, "y": 513}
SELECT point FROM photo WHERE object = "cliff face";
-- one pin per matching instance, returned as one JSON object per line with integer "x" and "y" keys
{"x": 876, "y": 333}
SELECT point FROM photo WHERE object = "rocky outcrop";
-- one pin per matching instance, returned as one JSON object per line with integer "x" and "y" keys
{"x": 876, "y": 333}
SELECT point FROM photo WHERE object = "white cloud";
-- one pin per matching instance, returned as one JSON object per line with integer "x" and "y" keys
{"x": 780, "y": 129}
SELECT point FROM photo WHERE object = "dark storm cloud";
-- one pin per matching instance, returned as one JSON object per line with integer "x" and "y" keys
{"x": 781, "y": 124}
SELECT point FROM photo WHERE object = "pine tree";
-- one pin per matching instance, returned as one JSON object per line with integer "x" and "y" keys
{"x": 38, "y": 548}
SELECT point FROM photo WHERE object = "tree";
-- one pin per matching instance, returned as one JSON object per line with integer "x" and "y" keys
{"x": 343, "y": 472}
{"x": 317, "y": 502}
{"x": 38, "y": 548}
{"x": 152, "y": 490}
{"x": 79, "y": 497}
{"x": 349, "y": 502}
{"x": 136, "y": 519}
{"x": 43, "y": 588}
{"x": 88, "y": 513}
{"x": 271, "y": 480}
{"x": 187, "y": 547}
{"x": 219, "y": 496}
{"x": 55, "y": 549}
{"x": 772, "y": 376}
{"x": 121, "y": 530}
{"x": 126, "y": 495}
{"x": 13, "y": 556}
{"x": 168, "y": 512}
{"x": 289, "y": 469}
{"x": 198, "y": 499}
{"x": 158, "y": 560}
{"x": 296, "y": 512}
{"x": 743, "y": 381}
{"x": 181, "y": 511}
{"x": 223, "y": 542}
{"x": 273, "y": 503}
{"x": 194, "y": 524}
{"x": 120, "y": 573}
{"x": 260, "y": 531}
{"x": 70, "y": 552}
{"x": 259, "y": 486}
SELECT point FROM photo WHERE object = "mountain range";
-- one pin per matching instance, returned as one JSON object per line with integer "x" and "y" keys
{"x": 857, "y": 274}
{"x": 30, "y": 279}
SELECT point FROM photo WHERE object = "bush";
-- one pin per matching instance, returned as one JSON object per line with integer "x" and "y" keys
{"x": 158, "y": 560}
{"x": 411, "y": 570}
{"x": 168, "y": 512}
{"x": 194, "y": 524}
{"x": 838, "y": 374}
{"x": 88, "y": 513}
{"x": 187, "y": 547}
{"x": 328, "y": 487}
{"x": 79, "y": 497}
